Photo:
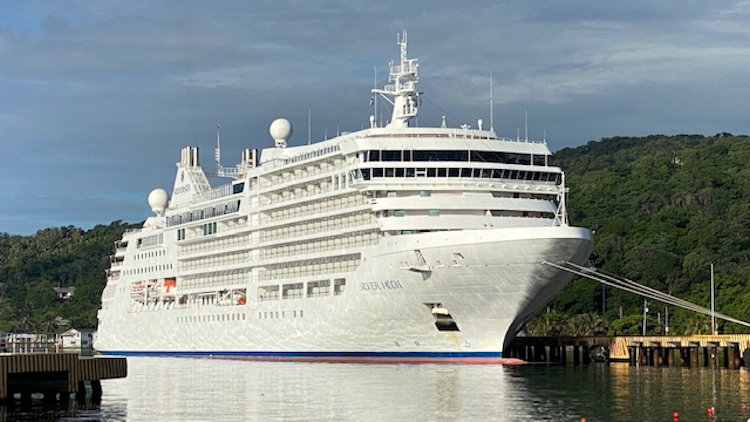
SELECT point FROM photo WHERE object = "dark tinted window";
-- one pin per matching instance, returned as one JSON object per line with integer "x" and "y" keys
{"x": 390, "y": 156}
{"x": 440, "y": 155}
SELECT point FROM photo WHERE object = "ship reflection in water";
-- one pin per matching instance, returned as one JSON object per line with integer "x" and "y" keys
{"x": 182, "y": 389}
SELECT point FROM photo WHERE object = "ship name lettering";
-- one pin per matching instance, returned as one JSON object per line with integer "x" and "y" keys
{"x": 380, "y": 285}
{"x": 182, "y": 189}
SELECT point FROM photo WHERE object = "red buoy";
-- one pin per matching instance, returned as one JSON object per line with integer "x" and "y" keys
{"x": 583, "y": 419}
{"x": 675, "y": 417}
{"x": 710, "y": 412}
{"x": 744, "y": 408}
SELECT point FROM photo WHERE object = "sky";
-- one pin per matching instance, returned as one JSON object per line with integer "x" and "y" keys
{"x": 98, "y": 97}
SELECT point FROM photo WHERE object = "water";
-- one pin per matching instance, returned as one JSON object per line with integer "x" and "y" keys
{"x": 182, "y": 389}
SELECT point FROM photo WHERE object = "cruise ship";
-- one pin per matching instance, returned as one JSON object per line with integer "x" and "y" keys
{"x": 393, "y": 243}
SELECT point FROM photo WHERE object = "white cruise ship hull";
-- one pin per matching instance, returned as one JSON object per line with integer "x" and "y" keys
{"x": 489, "y": 281}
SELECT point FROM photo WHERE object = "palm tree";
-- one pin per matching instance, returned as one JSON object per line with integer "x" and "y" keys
{"x": 590, "y": 324}
{"x": 699, "y": 324}
{"x": 546, "y": 324}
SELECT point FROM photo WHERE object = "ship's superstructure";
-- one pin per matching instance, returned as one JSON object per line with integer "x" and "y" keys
{"x": 393, "y": 242}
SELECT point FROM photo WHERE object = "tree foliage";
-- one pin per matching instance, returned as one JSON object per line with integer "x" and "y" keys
{"x": 32, "y": 266}
{"x": 663, "y": 209}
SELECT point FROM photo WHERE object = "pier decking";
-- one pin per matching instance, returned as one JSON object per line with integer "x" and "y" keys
{"x": 55, "y": 373}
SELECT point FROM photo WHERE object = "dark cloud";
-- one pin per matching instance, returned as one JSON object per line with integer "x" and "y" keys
{"x": 98, "y": 97}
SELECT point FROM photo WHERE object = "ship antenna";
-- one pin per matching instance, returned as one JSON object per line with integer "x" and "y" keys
{"x": 309, "y": 128}
{"x": 526, "y": 125}
{"x": 217, "y": 152}
{"x": 375, "y": 97}
{"x": 492, "y": 100}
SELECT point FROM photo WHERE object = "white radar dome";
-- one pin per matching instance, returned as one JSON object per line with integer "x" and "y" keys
{"x": 158, "y": 200}
{"x": 281, "y": 131}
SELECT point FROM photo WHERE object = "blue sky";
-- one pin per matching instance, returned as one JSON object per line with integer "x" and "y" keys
{"x": 97, "y": 98}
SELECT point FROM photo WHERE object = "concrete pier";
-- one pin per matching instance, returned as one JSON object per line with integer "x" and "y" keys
{"x": 55, "y": 373}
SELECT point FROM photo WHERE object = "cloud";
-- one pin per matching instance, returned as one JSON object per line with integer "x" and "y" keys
{"x": 98, "y": 97}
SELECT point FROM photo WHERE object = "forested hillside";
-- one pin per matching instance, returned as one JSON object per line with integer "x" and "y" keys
{"x": 663, "y": 208}
{"x": 31, "y": 267}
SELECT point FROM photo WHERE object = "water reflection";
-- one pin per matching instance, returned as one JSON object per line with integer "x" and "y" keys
{"x": 174, "y": 389}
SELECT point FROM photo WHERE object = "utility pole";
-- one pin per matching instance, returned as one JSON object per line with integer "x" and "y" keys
{"x": 713, "y": 303}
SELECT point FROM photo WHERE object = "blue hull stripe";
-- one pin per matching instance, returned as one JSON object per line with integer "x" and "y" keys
{"x": 406, "y": 355}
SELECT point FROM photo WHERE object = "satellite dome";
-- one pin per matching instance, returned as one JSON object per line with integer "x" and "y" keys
{"x": 281, "y": 131}
{"x": 158, "y": 200}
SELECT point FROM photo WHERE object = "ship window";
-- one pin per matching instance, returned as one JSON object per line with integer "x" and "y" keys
{"x": 465, "y": 172}
{"x": 377, "y": 172}
{"x": 442, "y": 172}
{"x": 292, "y": 291}
{"x": 441, "y": 155}
{"x": 425, "y": 193}
{"x": 366, "y": 174}
{"x": 399, "y": 213}
{"x": 431, "y": 172}
{"x": 400, "y": 172}
{"x": 453, "y": 172}
{"x": 390, "y": 156}
{"x": 374, "y": 155}
{"x": 268, "y": 292}
{"x": 238, "y": 188}
{"x": 410, "y": 172}
{"x": 433, "y": 213}
{"x": 539, "y": 160}
{"x": 389, "y": 172}
{"x": 318, "y": 288}
{"x": 339, "y": 285}
{"x": 407, "y": 155}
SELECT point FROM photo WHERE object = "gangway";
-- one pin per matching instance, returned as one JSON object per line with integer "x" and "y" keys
{"x": 639, "y": 289}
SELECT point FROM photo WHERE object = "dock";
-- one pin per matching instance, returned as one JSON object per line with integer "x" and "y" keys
{"x": 730, "y": 351}
{"x": 54, "y": 374}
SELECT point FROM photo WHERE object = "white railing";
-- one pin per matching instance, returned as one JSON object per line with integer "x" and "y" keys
{"x": 217, "y": 192}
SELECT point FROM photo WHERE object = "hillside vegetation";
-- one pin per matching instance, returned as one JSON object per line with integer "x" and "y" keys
{"x": 32, "y": 266}
{"x": 663, "y": 207}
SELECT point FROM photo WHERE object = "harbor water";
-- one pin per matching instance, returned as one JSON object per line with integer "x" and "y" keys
{"x": 185, "y": 389}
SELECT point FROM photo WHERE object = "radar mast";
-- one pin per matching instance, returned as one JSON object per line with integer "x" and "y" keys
{"x": 401, "y": 92}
